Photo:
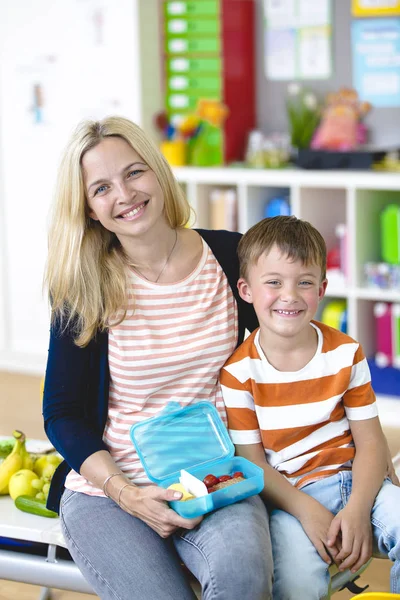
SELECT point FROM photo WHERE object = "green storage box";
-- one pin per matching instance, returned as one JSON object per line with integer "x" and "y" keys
{"x": 390, "y": 234}
{"x": 188, "y": 44}
{"x": 181, "y": 83}
{"x": 192, "y": 27}
{"x": 188, "y": 101}
{"x": 184, "y": 64}
{"x": 192, "y": 8}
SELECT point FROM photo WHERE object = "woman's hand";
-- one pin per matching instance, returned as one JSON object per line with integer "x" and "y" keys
{"x": 316, "y": 521}
{"x": 353, "y": 527}
{"x": 149, "y": 504}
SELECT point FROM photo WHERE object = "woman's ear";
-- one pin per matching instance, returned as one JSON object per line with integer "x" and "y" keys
{"x": 245, "y": 290}
{"x": 90, "y": 212}
{"x": 92, "y": 215}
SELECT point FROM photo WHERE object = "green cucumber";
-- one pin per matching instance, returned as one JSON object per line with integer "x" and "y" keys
{"x": 34, "y": 506}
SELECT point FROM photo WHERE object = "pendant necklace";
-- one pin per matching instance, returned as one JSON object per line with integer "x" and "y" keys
{"x": 165, "y": 264}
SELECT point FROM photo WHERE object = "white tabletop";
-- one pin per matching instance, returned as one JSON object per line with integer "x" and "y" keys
{"x": 20, "y": 525}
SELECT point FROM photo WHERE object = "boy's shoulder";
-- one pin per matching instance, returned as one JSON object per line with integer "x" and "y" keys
{"x": 247, "y": 349}
{"x": 332, "y": 338}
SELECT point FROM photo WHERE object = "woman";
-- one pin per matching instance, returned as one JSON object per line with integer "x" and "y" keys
{"x": 144, "y": 310}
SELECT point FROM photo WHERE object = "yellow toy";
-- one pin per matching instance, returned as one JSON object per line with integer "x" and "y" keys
{"x": 379, "y": 596}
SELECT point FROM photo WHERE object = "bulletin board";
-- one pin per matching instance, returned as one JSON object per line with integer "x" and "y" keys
{"x": 383, "y": 122}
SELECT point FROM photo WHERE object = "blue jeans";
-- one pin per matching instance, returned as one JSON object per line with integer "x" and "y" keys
{"x": 299, "y": 570}
{"x": 124, "y": 559}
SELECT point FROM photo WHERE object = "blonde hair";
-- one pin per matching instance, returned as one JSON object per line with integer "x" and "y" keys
{"x": 295, "y": 238}
{"x": 86, "y": 266}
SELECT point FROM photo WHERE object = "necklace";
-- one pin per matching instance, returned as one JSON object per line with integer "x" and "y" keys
{"x": 165, "y": 264}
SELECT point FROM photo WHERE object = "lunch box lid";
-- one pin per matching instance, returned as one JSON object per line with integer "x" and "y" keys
{"x": 181, "y": 438}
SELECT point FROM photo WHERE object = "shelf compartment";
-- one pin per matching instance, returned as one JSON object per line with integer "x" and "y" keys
{"x": 369, "y": 204}
{"x": 203, "y": 197}
{"x": 386, "y": 380}
{"x": 333, "y": 311}
{"x": 257, "y": 199}
{"x": 317, "y": 203}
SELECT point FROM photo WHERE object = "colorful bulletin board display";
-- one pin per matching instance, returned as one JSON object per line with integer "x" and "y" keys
{"x": 298, "y": 39}
{"x": 208, "y": 54}
{"x": 375, "y": 8}
{"x": 376, "y": 60}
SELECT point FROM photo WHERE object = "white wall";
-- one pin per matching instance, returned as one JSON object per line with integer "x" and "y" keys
{"x": 86, "y": 56}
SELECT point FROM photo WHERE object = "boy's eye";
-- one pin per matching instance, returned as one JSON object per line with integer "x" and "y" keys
{"x": 306, "y": 283}
{"x": 272, "y": 282}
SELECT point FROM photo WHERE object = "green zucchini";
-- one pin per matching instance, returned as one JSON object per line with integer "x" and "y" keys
{"x": 34, "y": 506}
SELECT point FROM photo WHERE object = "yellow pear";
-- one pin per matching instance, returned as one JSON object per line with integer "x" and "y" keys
{"x": 20, "y": 484}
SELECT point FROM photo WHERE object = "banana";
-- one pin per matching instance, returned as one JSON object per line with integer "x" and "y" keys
{"x": 13, "y": 462}
{"x": 27, "y": 459}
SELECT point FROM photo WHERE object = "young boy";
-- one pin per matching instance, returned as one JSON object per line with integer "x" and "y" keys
{"x": 300, "y": 404}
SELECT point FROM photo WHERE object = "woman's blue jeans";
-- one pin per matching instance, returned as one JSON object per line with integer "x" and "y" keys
{"x": 124, "y": 559}
{"x": 299, "y": 570}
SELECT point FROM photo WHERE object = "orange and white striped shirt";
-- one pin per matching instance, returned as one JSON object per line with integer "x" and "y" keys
{"x": 301, "y": 418}
{"x": 171, "y": 346}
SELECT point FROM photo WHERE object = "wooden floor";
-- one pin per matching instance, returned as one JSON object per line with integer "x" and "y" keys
{"x": 20, "y": 408}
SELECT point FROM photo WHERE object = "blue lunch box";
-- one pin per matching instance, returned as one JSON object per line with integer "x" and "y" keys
{"x": 195, "y": 439}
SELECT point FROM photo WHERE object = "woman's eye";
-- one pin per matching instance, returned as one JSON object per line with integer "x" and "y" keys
{"x": 100, "y": 189}
{"x": 135, "y": 172}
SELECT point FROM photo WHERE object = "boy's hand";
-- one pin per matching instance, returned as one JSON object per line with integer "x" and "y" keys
{"x": 316, "y": 521}
{"x": 391, "y": 473}
{"x": 354, "y": 527}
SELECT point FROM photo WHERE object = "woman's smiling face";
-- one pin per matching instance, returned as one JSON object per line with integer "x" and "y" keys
{"x": 122, "y": 192}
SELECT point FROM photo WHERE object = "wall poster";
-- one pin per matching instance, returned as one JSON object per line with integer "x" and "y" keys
{"x": 298, "y": 39}
{"x": 376, "y": 60}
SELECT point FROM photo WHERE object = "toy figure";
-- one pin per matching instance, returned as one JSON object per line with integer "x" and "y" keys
{"x": 207, "y": 147}
{"x": 341, "y": 128}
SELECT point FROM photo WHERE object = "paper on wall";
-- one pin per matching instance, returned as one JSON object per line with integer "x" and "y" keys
{"x": 297, "y": 39}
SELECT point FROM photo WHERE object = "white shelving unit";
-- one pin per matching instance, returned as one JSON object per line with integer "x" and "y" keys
{"x": 325, "y": 198}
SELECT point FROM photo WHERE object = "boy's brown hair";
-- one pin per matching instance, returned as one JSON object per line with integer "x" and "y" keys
{"x": 297, "y": 239}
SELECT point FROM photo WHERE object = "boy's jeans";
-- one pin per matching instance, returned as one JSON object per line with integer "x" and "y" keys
{"x": 300, "y": 573}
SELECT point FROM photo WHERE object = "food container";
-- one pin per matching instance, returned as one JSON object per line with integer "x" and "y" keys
{"x": 195, "y": 439}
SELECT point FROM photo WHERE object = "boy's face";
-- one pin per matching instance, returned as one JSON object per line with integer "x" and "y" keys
{"x": 285, "y": 293}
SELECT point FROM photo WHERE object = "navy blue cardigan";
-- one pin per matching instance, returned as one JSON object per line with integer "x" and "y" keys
{"x": 75, "y": 401}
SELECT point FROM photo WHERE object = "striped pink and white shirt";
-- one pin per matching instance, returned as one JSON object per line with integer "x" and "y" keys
{"x": 171, "y": 346}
